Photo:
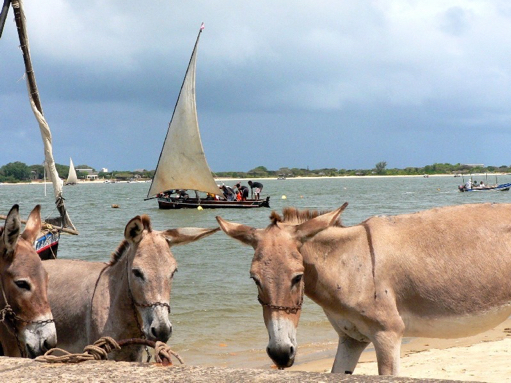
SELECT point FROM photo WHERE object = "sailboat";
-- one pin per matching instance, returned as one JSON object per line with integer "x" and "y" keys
{"x": 72, "y": 178}
{"x": 47, "y": 242}
{"x": 182, "y": 165}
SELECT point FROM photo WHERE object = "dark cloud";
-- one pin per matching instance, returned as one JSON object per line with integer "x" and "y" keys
{"x": 315, "y": 83}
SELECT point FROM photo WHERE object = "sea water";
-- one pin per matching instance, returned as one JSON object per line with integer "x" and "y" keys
{"x": 215, "y": 314}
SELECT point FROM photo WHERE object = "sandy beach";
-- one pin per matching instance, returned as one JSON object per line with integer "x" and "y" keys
{"x": 484, "y": 358}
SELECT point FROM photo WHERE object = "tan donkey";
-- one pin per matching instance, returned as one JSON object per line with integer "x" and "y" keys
{"x": 26, "y": 323}
{"x": 127, "y": 298}
{"x": 439, "y": 273}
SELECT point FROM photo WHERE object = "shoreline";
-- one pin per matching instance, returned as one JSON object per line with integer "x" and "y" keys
{"x": 223, "y": 179}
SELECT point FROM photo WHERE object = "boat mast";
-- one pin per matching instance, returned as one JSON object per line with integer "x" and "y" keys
{"x": 35, "y": 101}
{"x": 3, "y": 15}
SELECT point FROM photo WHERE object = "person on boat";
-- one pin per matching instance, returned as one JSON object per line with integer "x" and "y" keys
{"x": 166, "y": 193}
{"x": 255, "y": 189}
{"x": 243, "y": 192}
{"x": 468, "y": 185}
{"x": 183, "y": 194}
{"x": 228, "y": 193}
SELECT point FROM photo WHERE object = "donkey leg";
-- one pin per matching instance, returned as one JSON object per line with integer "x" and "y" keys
{"x": 387, "y": 346}
{"x": 348, "y": 353}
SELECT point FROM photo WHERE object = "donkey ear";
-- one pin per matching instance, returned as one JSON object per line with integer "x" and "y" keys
{"x": 11, "y": 232}
{"x": 243, "y": 233}
{"x": 134, "y": 230}
{"x": 186, "y": 235}
{"x": 33, "y": 225}
{"x": 310, "y": 228}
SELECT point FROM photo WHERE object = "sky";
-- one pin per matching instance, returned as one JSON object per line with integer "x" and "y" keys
{"x": 318, "y": 84}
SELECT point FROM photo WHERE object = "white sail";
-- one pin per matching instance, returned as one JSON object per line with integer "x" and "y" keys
{"x": 182, "y": 163}
{"x": 72, "y": 178}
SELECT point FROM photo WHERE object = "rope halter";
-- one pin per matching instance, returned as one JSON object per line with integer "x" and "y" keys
{"x": 287, "y": 309}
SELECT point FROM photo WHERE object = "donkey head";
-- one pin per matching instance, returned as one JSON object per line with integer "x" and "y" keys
{"x": 151, "y": 269}
{"x": 24, "y": 283}
{"x": 277, "y": 269}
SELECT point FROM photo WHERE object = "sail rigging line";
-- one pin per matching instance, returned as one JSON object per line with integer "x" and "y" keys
{"x": 37, "y": 109}
{"x": 175, "y": 107}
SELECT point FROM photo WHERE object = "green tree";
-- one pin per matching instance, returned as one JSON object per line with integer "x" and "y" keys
{"x": 17, "y": 170}
{"x": 37, "y": 170}
{"x": 380, "y": 167}
{"x": 259, "y": 171}
{"x": 62, "y": 170}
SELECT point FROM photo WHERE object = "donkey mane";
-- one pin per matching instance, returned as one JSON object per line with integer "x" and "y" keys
{"x": 119, "y": 252}
{"x": 293, "y": 215}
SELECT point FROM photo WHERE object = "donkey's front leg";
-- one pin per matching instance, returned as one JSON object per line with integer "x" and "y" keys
{"x": 387, "y": 345}
{"x": 348, "y": 353}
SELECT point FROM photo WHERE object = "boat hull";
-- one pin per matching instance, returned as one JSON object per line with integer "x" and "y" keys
{"x": 46, "y": 246}
{"x": 194, "y": 203}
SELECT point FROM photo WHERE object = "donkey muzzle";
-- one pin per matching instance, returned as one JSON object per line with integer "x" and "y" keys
{"x": 157, "y": 326}
{"x": 282, "y": 345}
{"x": 38, "y": 338}
{"x": 282, "y": 356}
{"x": 161, "y": 332}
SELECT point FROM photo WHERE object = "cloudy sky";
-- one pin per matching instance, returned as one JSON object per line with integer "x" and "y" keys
{"x": 342, "y": 84}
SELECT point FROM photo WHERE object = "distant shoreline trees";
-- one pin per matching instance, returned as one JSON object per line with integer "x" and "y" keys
{"x": 14, "y": 172}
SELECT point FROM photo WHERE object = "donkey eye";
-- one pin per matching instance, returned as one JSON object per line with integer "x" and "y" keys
{"x": 137, "y": 273}
{"x": 296, "y": 279}
{"x": 23, "y": 285}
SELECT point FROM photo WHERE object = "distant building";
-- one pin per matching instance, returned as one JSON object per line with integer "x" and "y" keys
{"x": 88, "y": 171}
{"x": 91, "y": 175}
{"x": 103, "y": 170}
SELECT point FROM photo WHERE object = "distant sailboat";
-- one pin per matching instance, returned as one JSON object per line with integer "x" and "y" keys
{"x": 182, "y": 164}
{"x": 72, "y": 178}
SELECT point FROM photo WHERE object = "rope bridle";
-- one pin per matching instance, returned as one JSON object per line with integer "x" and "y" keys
{"x": 134, "y": 303}
{"x": 9, "y": 318}
{"x": 137, "y": 304}
{"x": 287, "y": 309}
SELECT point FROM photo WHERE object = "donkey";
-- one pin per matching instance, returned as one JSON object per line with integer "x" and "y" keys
{"x": 26, "y": 322}
{"x": 439, "y": 273}
{"x": 127, "y": 298}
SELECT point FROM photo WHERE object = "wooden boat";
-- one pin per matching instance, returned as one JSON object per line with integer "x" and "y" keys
{"x": 182, "y": 164}
{"x": 501, "y": 187}
{"x": 72, "y": 178}
{"x": 473, "y": 186}
{"x": 47, "y": 243}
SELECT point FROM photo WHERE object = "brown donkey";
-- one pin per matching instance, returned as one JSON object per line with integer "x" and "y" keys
{"x": 439, "y": 273}
{"x": 127, "y": 298}
{"x": 26, "y": 322}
